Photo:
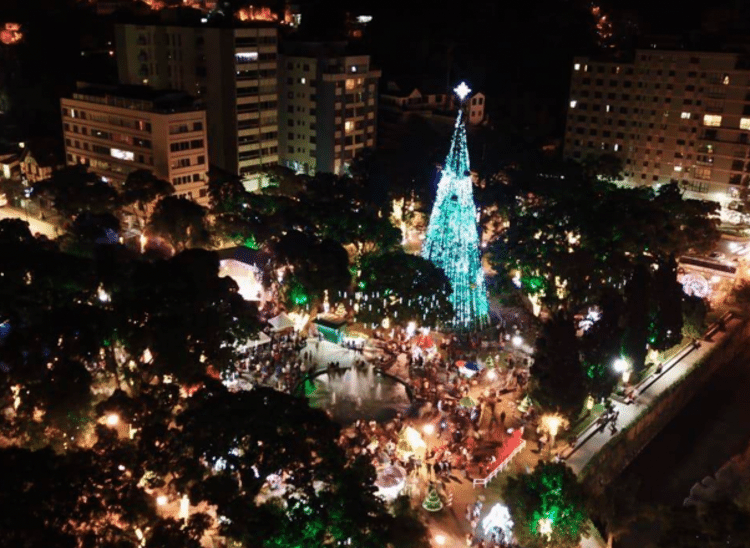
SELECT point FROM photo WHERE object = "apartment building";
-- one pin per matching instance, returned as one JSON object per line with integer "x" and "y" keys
{"x": 671, "y": 116}
{"x": 115, "y": 130}
{"x": 327, "y": 106}
{"x": 233, "y": 69}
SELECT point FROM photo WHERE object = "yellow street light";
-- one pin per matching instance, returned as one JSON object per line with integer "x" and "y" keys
{"x": 113, "y": 419}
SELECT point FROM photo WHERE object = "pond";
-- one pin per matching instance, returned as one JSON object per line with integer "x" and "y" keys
{"x": 358, "y": 393}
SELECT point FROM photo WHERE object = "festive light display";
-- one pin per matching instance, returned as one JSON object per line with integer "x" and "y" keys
{"x": 11, "y": 34}
{"x": 452, "y": 241}
{"x": 432, "y": 502}
{"x": 696, "y": 285}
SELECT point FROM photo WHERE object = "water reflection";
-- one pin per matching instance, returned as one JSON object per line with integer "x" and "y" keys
{"x": 358, "y": 393}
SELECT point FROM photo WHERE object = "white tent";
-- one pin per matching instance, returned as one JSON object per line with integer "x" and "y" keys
{"x": 281, "y": 322}
{"x": 260, "y": 341}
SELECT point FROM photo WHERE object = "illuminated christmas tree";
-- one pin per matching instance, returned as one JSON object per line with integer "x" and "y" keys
{"x": 432, "y": 502}
{"x": 452, "y": 241}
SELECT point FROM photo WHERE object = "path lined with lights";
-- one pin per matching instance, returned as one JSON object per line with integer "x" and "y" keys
{"x": 597, "y": 435}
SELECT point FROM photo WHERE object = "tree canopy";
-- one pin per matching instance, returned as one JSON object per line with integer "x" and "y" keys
{"x": 547, "y": 507}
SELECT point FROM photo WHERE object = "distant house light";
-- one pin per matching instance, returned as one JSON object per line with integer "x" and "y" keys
{"x": 685, "y": 116}
{"x": 573, "y": 103}
{"x": 364, "y": 18}
{"x": 678, "y": 168}
{"x": 577, "y": 66}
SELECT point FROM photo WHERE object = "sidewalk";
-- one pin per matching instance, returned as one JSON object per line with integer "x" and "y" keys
{"x": 35, "y": 225}
{"x": 596, "y": 436}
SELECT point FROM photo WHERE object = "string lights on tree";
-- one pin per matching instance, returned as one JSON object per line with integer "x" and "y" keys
{"x": 452, "y": 241}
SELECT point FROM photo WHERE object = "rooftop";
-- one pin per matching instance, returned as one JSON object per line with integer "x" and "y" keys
{"x": 143, "y": 98}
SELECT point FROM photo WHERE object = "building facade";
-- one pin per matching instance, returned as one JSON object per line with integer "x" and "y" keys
{"x": 327, "y": 106}
{"x": 232, "y": 69}
{"x": 117, "y": 130}
{"x": 670, "y": 116}
{"x": 428, "y": 101}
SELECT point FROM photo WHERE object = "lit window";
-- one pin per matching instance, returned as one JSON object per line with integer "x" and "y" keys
{"x": 246, "y": 57}
{"x": 713, "y": 120}
{"x": 678, "y": 168}
{"x": 302, "y": 80}
{"x": 744, "y": 123}
{"x": 685, "y": 116}
{"x": 726, "y": 79}
{"x": 573, "y": 104}
{"x": 354, "y": 69}
{"x": 617, "y": 147}
{"x": 577, "y": 66}
{"x": 348, "y": 126}
{"x": 608, "y": 108}
{"x": 122, "y": 154}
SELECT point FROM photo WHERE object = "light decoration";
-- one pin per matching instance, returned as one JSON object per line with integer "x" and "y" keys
{"x": 11, "y": 34}
{"x": 592, "y": 316}
{"x": 452, "y": 240}
{"x": 498, "y": 518}
{"x": 695, "y": 285}
{"x": 544, "y": 527}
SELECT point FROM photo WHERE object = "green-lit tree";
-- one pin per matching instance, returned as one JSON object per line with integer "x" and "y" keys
{"x": 601, "y": 345}
{"x": 637, "y": 301}
{"x": 558, "y": 381}
{"x": 666, "y": 308}
{"x": 547, "y": 506}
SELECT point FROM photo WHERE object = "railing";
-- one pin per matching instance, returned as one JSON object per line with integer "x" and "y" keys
{"x": 499, "y": 468}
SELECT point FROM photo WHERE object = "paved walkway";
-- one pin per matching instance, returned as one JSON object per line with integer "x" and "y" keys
{"x": 594, "y": 438}
{"x": 35, "y": 225}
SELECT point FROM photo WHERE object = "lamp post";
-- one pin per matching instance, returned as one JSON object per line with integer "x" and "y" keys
{"x": 622, "y": 366}
{"x": 552, "y": 424}
{"x": 544, "y": 527}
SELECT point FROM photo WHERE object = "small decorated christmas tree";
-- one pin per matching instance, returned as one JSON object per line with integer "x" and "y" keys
{"x": 432, "y": 502}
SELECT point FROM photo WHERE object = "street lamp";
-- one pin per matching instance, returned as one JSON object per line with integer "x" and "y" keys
{"x": 622, "y": 366}
{"x": 162, "y": 500}
{"x": 113, "y": 419}
{"x": 552, "y": 424}
{"x": 544, "y": 527}
{"x": 517, "y": 340}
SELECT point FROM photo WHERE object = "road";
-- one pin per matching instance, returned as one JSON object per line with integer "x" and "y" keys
{"x": 35, "y": 225}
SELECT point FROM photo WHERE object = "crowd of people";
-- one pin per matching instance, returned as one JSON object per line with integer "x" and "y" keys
{"x": 454, "y": 424}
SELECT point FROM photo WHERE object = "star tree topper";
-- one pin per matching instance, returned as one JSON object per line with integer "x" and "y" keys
{"x": 462, "y": 90}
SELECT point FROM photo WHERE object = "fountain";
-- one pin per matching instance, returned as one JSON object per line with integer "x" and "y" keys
{"x": 359, "y": 393}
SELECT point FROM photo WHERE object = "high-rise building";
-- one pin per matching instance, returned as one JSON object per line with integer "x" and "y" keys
{"x": 670, "y": 116}
{"x": 232, "y": 68}
{"x": 327, "y": 106}
{"x": 452, "y": 239}
{"x": 115, "y": 130}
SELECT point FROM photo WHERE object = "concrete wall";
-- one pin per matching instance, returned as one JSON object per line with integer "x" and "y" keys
{"x": 618, "y": 453}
